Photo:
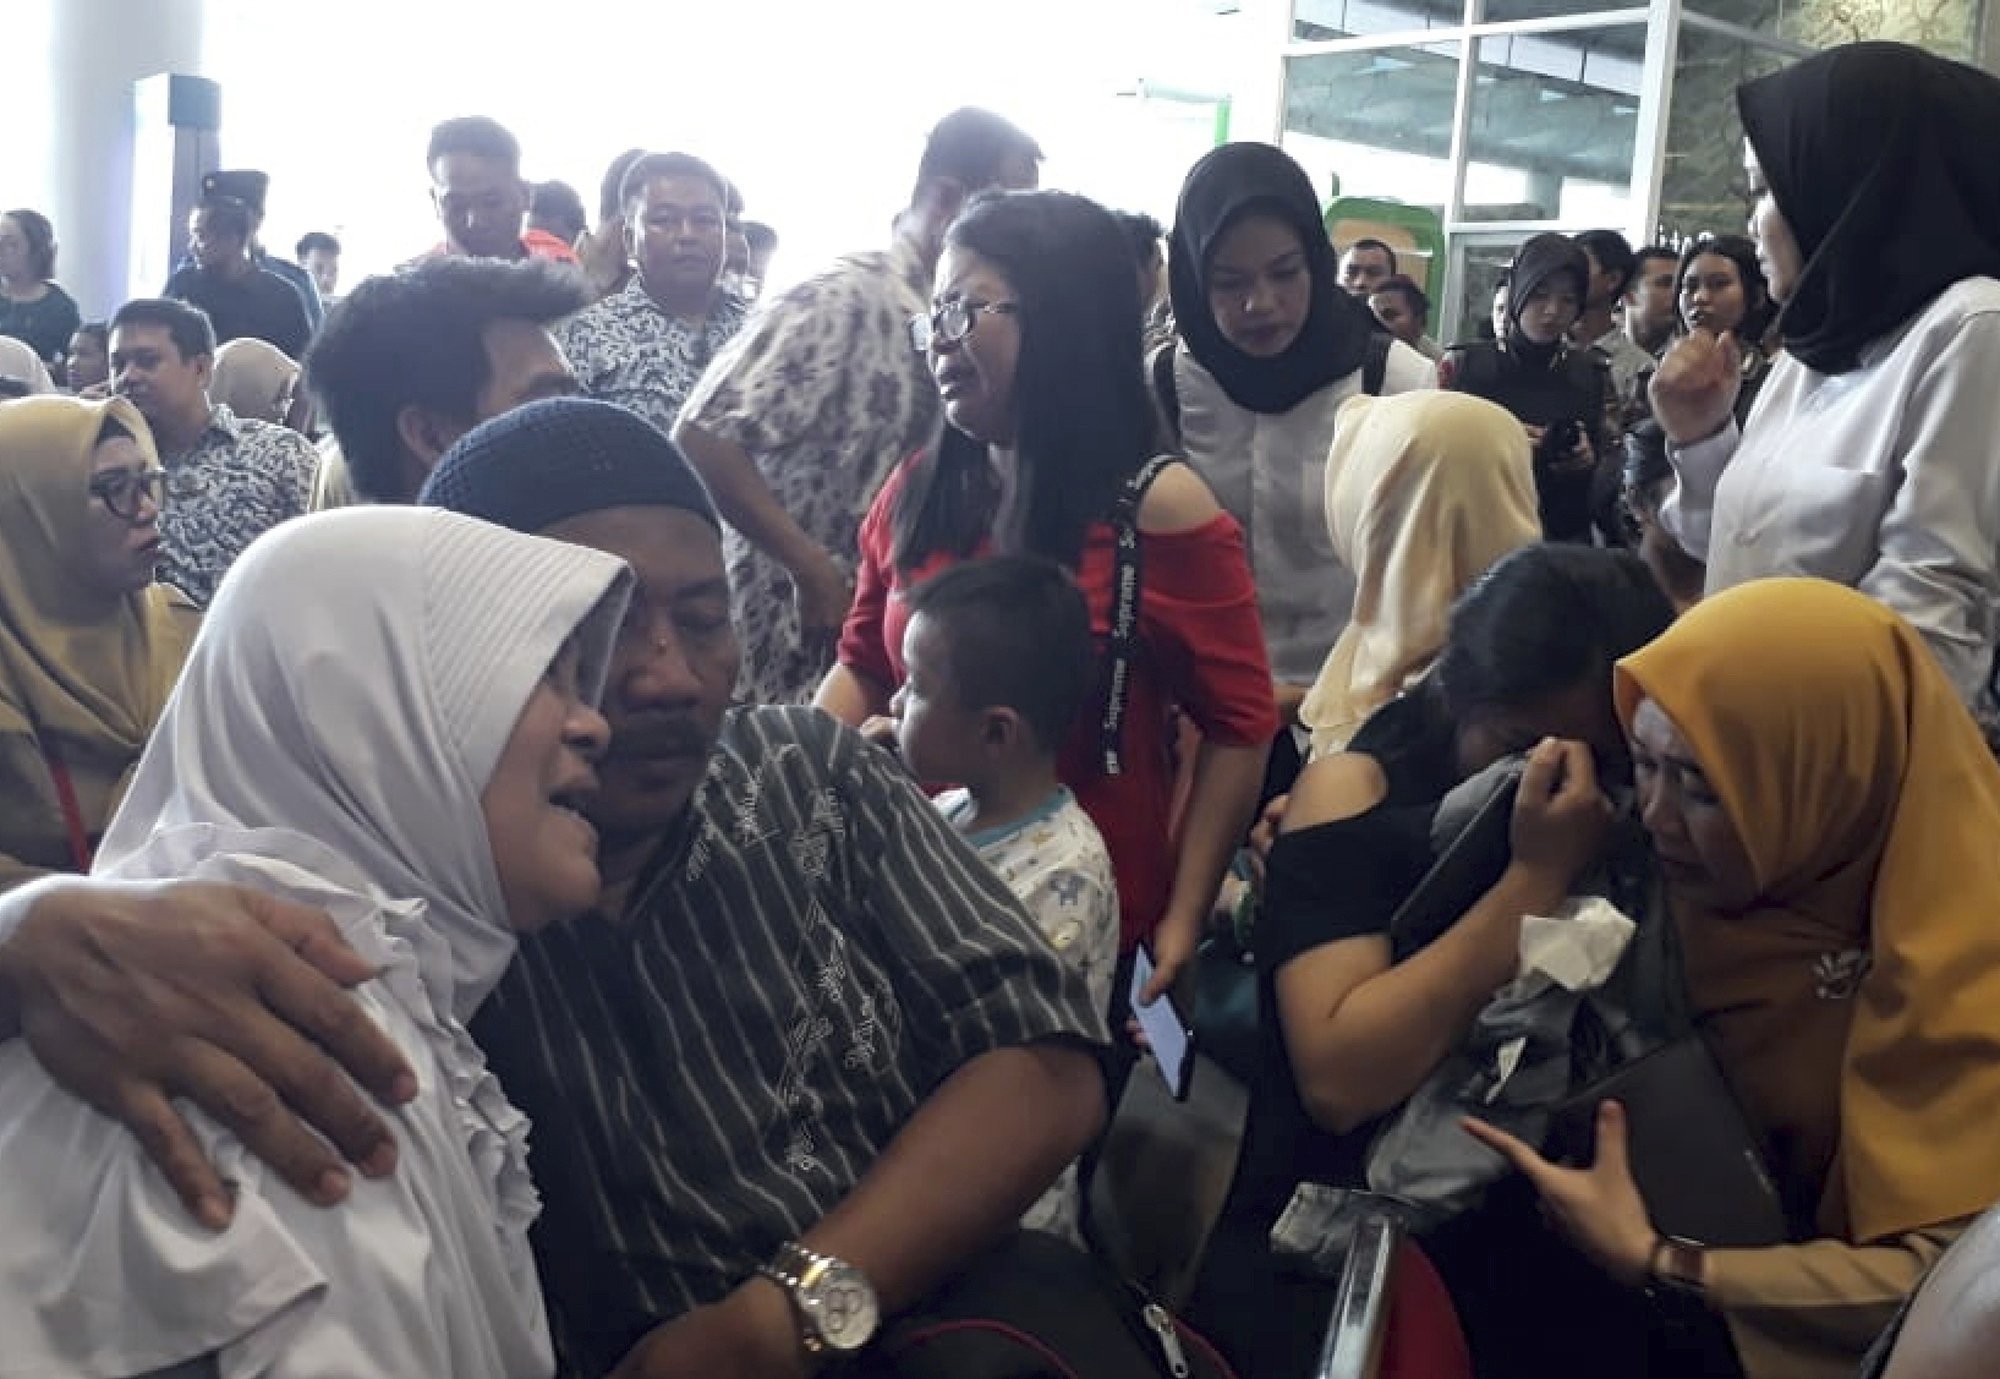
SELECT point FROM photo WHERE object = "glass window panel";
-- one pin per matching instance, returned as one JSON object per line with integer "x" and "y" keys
{"x": 1479, "y": 260}
{"x": 1553, "y": 121}
{"x": 1702, "y": 188}
{"x": 1378, "y": 121}
{"x": 1950, "y": 27}
{"x": 1507, "y": 11}
{"x": 1322, "y": 19}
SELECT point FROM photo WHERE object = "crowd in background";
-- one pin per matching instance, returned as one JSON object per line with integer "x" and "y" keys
{"x": 774, "y": 745}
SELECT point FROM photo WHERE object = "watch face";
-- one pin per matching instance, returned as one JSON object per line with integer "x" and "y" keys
{"x": 842, "y": 1307}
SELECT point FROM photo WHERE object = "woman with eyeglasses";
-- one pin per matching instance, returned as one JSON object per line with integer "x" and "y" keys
{"x": 1050, "y": 452}
{"x": 1869, "y": 458}
{"x": 90, "y": 645}
{"x": 1721, "y": 289}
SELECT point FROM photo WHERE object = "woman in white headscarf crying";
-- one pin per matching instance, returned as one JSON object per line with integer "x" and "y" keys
{"x": 410, "y": 760}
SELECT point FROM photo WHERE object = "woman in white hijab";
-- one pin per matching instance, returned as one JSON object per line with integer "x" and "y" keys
{"x": 407, "y": 758}
{"x": 22, "y": 373}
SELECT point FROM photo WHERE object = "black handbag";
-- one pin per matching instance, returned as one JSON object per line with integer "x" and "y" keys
{"x": 1039, "y": 1308}
{"x": 1697, "y": 1162}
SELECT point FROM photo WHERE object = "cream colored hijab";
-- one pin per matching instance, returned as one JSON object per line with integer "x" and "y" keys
{"x": 1424, "y": 491}
{"x": 252, "y": 377}
{"x": 75, "y": 667}
{"x": 19, "y": 362}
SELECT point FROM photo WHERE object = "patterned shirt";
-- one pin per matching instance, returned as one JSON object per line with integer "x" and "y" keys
{"x": 240, "y": 479}
{"x": 824, "y": 392}
{"x": 811, "y": 952}
{"x": 1055, "y": 861}
{"x": 1631, "y": 367}
{"x": 626, "y": 350}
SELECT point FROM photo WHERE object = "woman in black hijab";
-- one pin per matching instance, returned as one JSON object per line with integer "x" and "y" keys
{"x": 1870, "y": 460}
{"x": 1271, "y": 347}
{"x": 1562, "y": 395}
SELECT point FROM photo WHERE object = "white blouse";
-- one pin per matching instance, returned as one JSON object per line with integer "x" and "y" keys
{"x": 1269, "y": 471}
{"x": 1885, "y": 478}
{"x": 103, "y": 1273}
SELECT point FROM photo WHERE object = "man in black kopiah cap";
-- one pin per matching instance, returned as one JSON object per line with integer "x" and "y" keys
{"x": 253, "y": 188}
{"x": 776, "y": 1080}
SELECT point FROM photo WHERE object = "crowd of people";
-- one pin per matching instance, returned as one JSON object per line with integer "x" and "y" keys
{"x": 561, "y": 814}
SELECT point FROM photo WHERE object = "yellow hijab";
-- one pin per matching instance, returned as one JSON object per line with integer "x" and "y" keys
{"x": 1857, "y": 1007}
{"x": 1424, "y": 491}
{"x": 74, "y": 667}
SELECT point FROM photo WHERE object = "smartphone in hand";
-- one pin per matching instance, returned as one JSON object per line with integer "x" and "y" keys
{"x": 1167, "y": 1034}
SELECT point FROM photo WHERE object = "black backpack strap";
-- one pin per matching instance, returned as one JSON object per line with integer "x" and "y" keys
{"x": 1471, "y": 368}
{"x": 1166, "y": 389}
{"x": 1124, "y": 644}
{"x": 1375, "y": 364}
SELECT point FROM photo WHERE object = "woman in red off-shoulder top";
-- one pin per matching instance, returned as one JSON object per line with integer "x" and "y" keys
{"x": 1034, "y": 346}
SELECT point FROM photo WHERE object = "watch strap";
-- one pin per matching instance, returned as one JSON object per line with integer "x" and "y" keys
{"x": 1677, "y": 1265}
{"x": 788, "y": 1269}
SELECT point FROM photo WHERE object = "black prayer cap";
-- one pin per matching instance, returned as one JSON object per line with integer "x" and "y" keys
{"x": 552, "y": 460}
{"x": 241, "y": 184}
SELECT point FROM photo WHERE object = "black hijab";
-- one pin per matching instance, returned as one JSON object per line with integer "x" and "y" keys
{"x": 1227, "y": 183}
{"x": 1881, "y": 158}
{"x": 1541, "y": 258}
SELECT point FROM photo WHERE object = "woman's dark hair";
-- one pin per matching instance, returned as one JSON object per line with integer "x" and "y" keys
{"x": 41, "y": 237}
{"x": 1084, "y": 423}
{"x": 1758, "y": 308}
{"x": 1544, "y": 618}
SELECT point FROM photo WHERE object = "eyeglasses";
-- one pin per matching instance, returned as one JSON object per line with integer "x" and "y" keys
{"x": 950, "y": 322}
{"x": 124, "y": 491}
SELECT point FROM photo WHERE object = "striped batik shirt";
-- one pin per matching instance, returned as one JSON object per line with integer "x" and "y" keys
{"x": 812, "y": 951}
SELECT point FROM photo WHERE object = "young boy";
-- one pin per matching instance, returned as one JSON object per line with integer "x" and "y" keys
{"x": 998, "y": 661}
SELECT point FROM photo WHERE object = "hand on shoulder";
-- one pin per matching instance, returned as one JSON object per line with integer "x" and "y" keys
{"x": 1178, "y": 500}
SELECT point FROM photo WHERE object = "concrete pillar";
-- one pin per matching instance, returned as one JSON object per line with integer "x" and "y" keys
{"x": 99, "y": 49}
{"x": 1545, "y": 189}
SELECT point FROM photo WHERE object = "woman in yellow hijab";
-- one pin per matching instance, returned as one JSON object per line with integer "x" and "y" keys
{"x": 1424, "y": 491}
{"x": 1827, "y": 821}
{"x": 90, "y": 646}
